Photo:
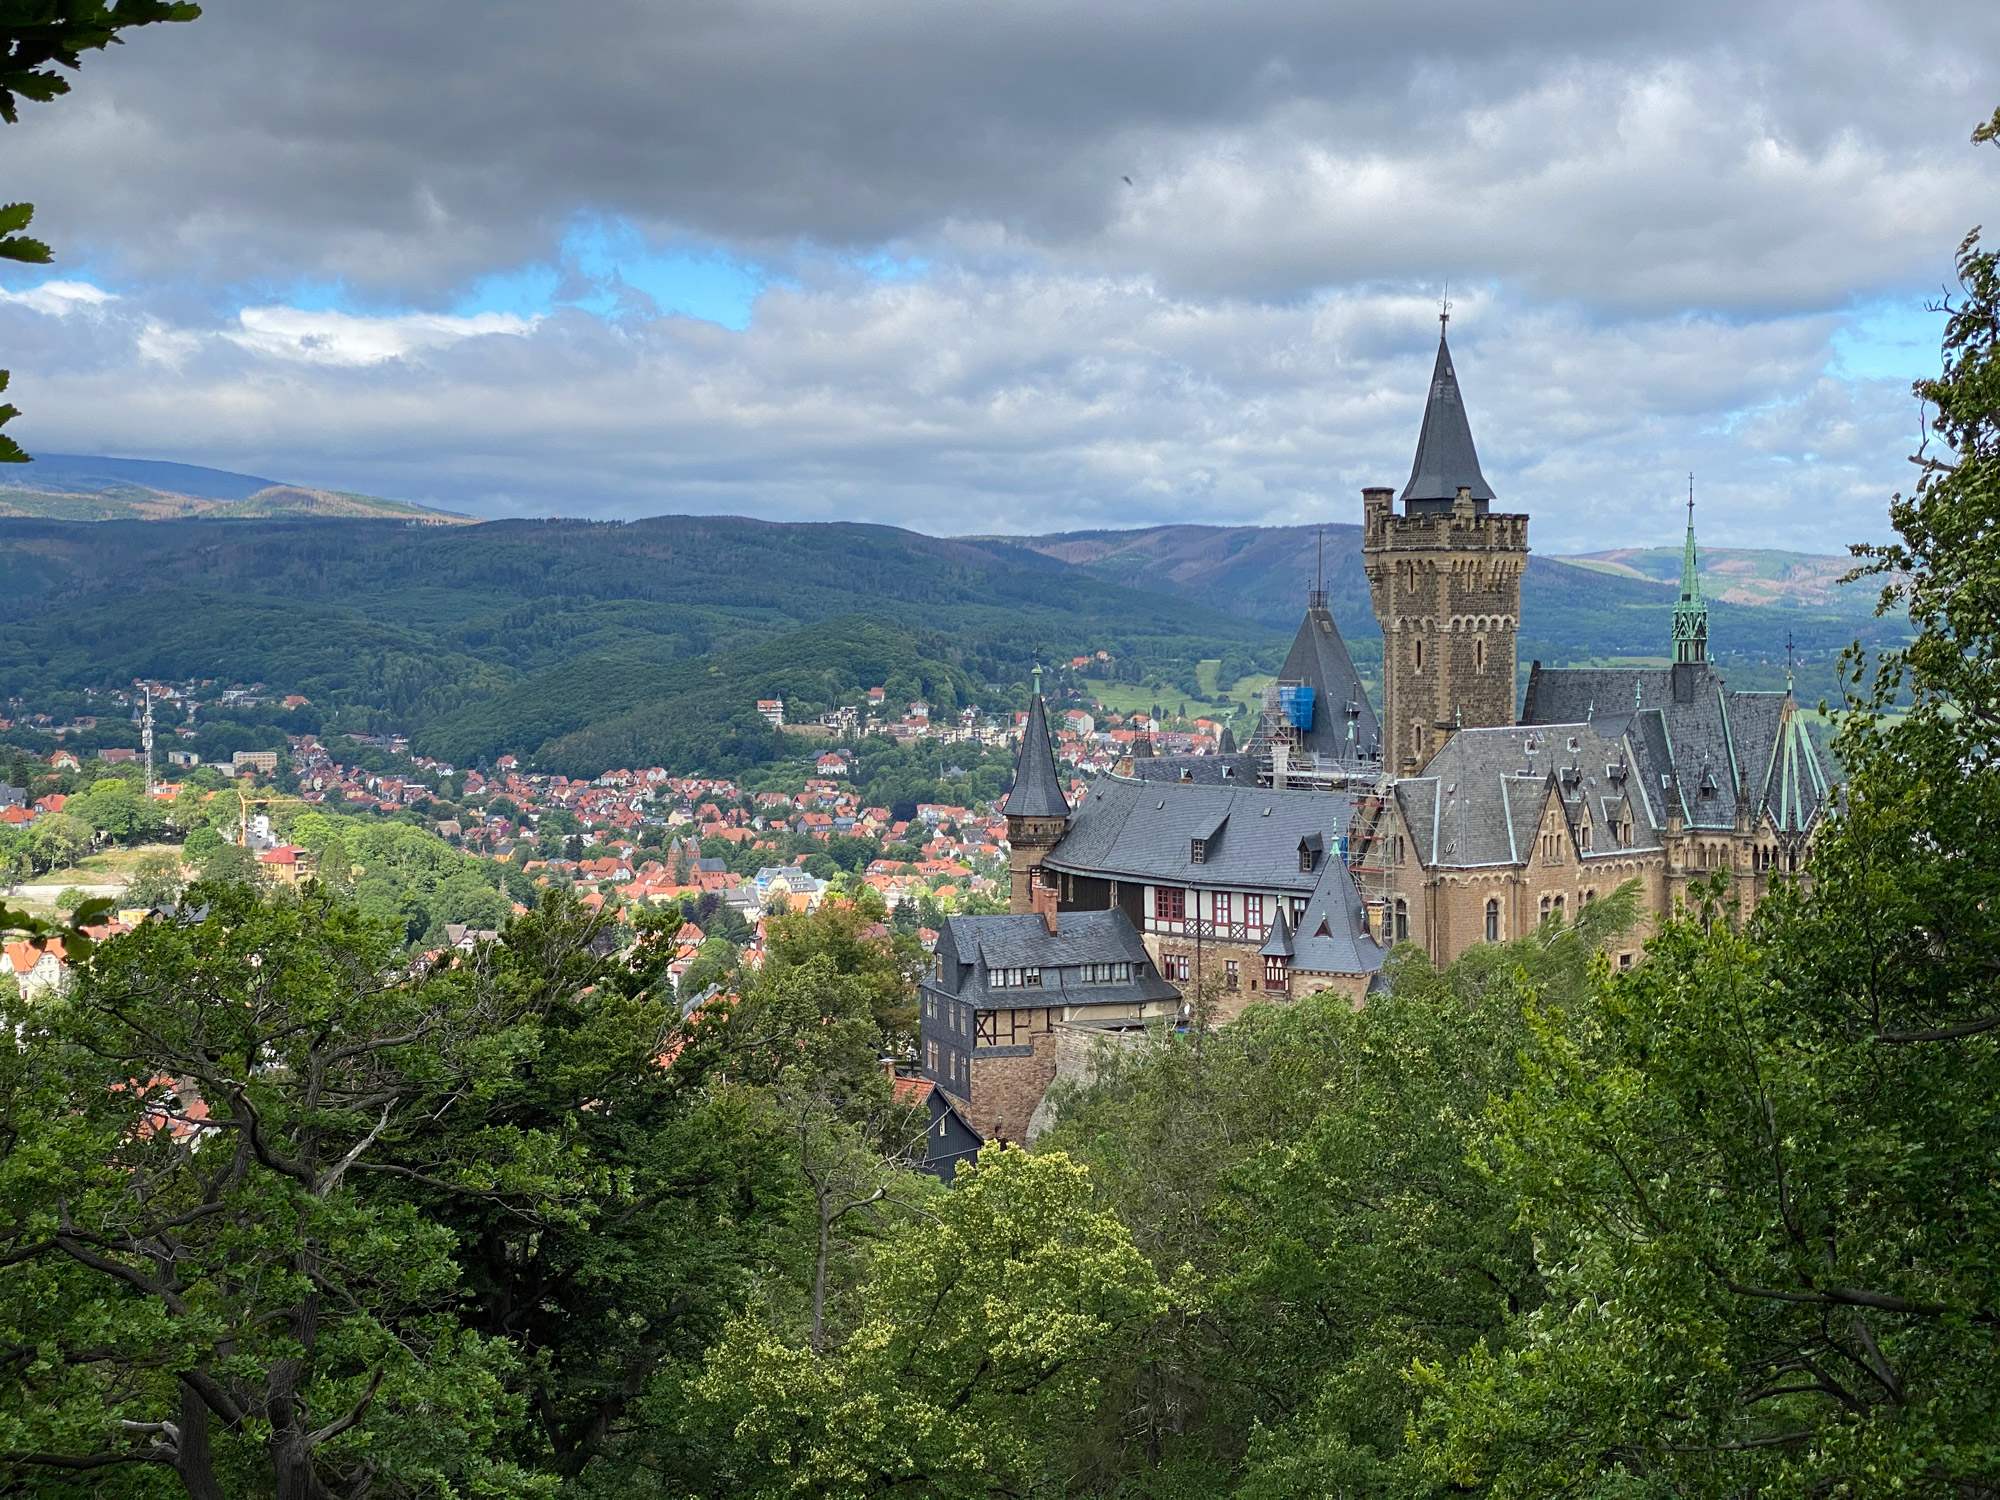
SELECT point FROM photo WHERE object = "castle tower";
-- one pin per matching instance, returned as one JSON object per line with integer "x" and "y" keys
{"x": 1445, "y": 578}
{"x": 1690, "y": 618}
{"x": 1036, "y": 810}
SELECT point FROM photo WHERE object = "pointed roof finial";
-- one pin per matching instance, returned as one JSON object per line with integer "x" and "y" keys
{"x": 1788, "y": 663}
{"x": 1444, "y": 309}
{"x": 1690, "y": 610}
{"x": 1036, "y": 675}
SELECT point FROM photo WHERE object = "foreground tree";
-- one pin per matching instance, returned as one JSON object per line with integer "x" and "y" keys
{"x": 1305, "y": 1171}
{"x": 983, "y": 1332}
{"x": 206, "y": 1264}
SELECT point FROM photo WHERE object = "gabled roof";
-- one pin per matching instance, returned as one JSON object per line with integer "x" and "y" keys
{"x": 969, "y": 949}
{"x": 1344, "y": 726}
{"x": 1037, "y": 790}
{"x": 1145, "y": 830}
{"x": 1740, "y": 745}
{"x": 1446, "y": 459}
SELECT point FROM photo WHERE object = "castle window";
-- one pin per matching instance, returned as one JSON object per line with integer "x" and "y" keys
{"x": 1479, "y": 656}
{"x": 1169, "y": 903}
{"x": 1222, "y": 902}
{"x": 1559, "y": 908}
{"x": 1420, "y": 654}
{"x": 1198, "y": 851}
{"x": 1231, "y": 975}
{"x": 1274, "y": 973}
{"x": 1546, "y": 907}
{"x": 1174, "y": 966}
{"x": 1402, "y": 920}
{"x": 1492, "y": 921}
{"x": 1253, "y": 914}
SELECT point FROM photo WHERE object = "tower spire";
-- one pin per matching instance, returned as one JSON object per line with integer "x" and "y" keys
{"x": 1446, "y": 460}
{"x": 1690, "y": 610}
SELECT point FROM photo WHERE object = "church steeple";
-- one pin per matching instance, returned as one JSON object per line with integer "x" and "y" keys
{"x": 1446, "y": 461}
{"x": 1690, "y": 610}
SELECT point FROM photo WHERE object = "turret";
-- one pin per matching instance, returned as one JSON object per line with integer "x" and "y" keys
{"x": 1036, "y": 810}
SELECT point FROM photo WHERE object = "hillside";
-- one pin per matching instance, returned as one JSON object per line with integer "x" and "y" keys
{"x": 588, "y": 643}
{"x": 1746, "y": 575}
{"x": 72, "y": 487}
{"x": 514, "y": 635}
{"x": 1574, "y": 610}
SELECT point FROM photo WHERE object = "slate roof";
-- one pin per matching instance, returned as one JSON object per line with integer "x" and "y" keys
{"x": 1279, "y": 943}
{"x": 1332, "y": 935}
{"x": 1344, "y": 726}
{"x": 1037, "y": 790}
{"x": 1446, "y": 458}
{"x": 970, "y": 948}
{"x": 1204, "y": 770}
{"x": 1143, "y": 830}
{"x": 1481, "y": 798}
{"x": 1721, "y": 745}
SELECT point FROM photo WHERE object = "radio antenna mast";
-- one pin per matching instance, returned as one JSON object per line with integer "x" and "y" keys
{"x": 146, "y": 738}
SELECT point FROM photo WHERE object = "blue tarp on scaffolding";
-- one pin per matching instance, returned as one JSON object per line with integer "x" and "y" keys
{"x": 1297, "y": 703}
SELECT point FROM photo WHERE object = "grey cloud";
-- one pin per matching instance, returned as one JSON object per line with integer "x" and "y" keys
{"x": 1698, "y": 155}
{"x": 1019, "y": 403}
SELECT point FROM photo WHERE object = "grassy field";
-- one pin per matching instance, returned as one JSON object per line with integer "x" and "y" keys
{"x": 1133, "y": 697}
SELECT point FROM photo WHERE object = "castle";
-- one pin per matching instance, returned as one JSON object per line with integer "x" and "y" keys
{"x": 1295, "y": 866}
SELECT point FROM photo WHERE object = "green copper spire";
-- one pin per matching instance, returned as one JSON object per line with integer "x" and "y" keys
{"x": 1690, "y": 611}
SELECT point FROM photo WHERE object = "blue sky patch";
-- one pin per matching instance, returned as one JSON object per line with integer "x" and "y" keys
{"x": 1893, "y": 339}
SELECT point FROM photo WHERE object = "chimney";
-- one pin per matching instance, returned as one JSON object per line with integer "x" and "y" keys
{"x": 1044, "y": 896}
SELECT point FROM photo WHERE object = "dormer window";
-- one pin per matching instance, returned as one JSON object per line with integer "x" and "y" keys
{"x": 1310, "y": 849}
{"x": 1198, "y": 851}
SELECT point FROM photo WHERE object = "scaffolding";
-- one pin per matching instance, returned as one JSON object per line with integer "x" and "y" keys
{"x": 1281, "y": 743}
{"x": 1373, "y": 853}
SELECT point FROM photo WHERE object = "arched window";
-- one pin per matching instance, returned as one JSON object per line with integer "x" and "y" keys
{"x": 1559, "y": 908}
{"x": 1420, "y": 653}
{"x": 1402, "y": 920}
{"x": 1493, "y": 921}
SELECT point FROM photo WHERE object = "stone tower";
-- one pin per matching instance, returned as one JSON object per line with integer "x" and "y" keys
{"x": 1036, "y": 810}
{"x": 1445, "y": 578}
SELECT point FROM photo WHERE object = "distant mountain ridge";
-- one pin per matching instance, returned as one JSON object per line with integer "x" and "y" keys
{"x": 82, "y": 487}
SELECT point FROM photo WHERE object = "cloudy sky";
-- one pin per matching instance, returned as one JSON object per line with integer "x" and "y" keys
{"x": 1015, "y": 265}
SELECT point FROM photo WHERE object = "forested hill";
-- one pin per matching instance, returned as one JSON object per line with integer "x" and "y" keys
{"x": 586, "y": 643}
{"x": 517, "y": 635}
{"x": 1593, "y": 608}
